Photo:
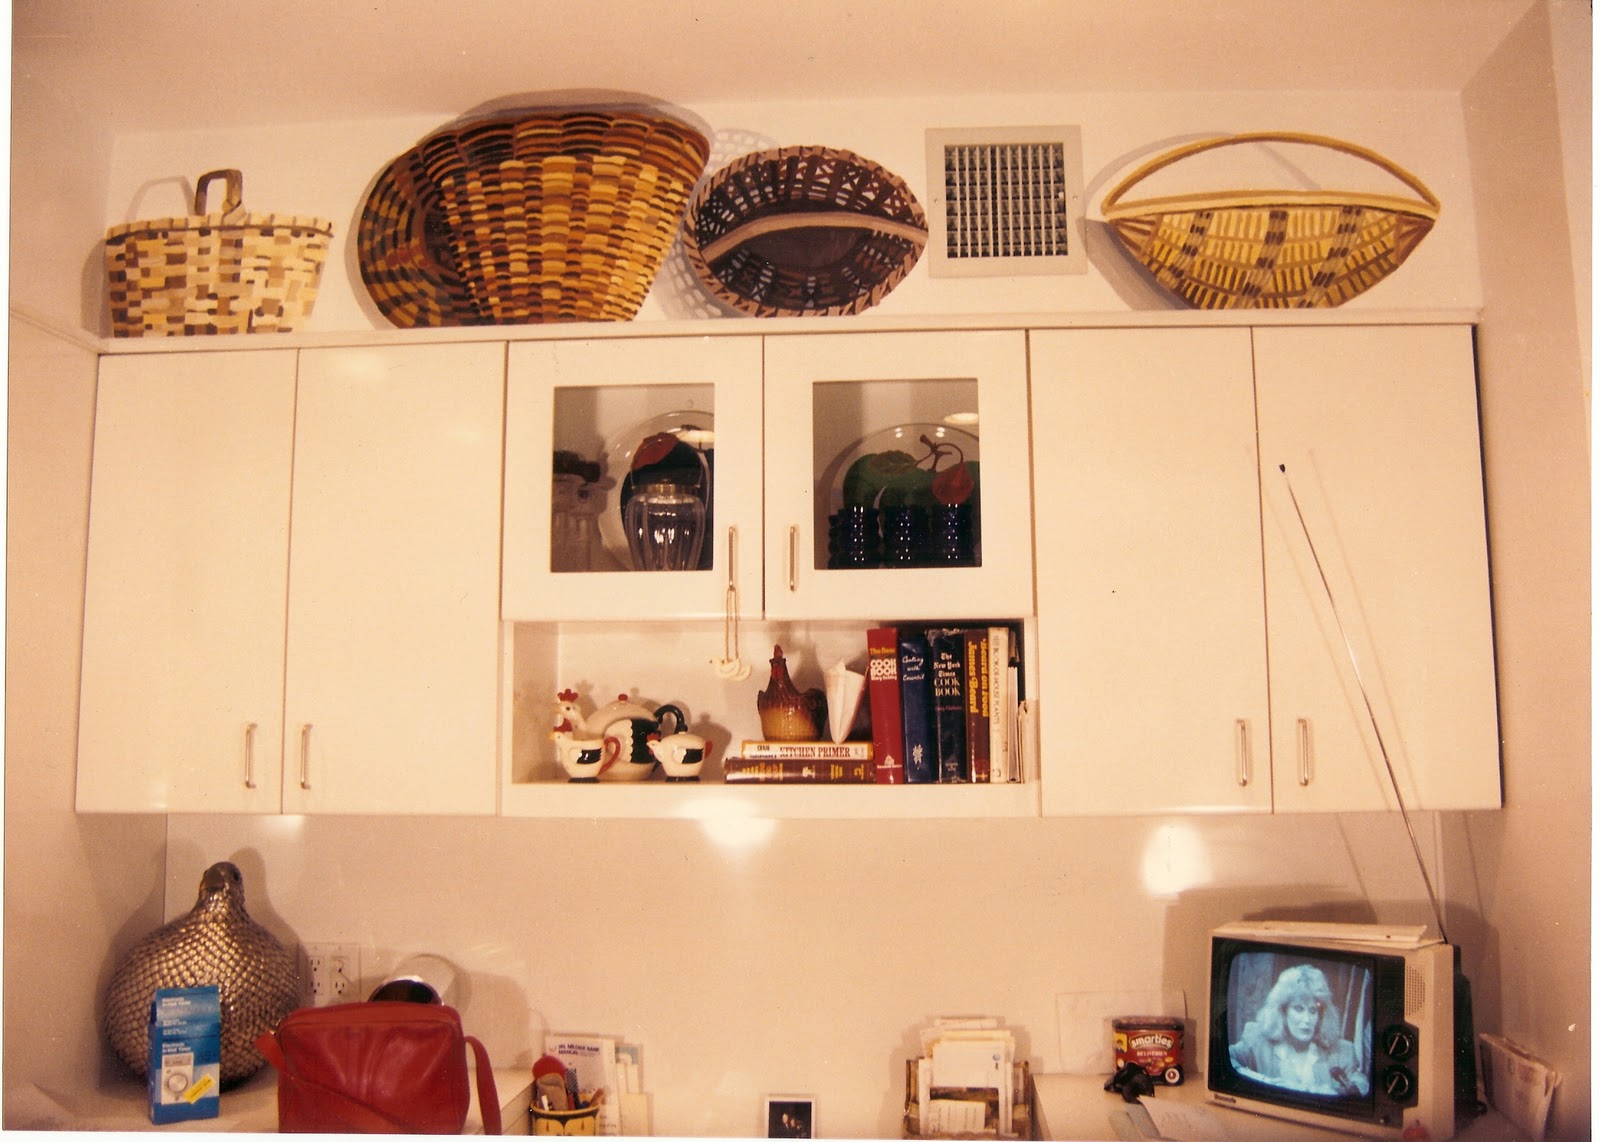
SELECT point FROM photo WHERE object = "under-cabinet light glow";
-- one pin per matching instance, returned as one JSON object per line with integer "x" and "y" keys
{"x": 1175, "y": 860}
{"x": 730, "y": 823}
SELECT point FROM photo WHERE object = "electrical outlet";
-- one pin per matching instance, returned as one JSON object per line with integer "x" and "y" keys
{"x": 333, "y": 973}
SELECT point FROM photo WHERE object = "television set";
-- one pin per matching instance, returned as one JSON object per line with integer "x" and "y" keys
{"x": 1362, "y": 1028}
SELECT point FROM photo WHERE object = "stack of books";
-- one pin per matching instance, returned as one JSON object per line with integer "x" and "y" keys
{"x": 803, "y": 763}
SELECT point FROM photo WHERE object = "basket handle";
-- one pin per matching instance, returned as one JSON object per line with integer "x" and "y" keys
{"x": 232, "y": 195}
{"x": 1183, "y": 152}
{"x": 802, "y": 220}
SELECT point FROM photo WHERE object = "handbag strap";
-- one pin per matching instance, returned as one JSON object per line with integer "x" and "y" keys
{"x": 488, "y": 1096}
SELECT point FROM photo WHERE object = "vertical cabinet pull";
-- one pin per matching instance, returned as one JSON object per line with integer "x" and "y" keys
{"x": 1241, "y": 750}
{"x": 250, "y": 756}
{"x": 1303, "y": 751}
{"x": 730, "y": 665}
{"x": 794, "y": 558}
{"x": 730, "y": 600}
{"x": 305, "y": 756}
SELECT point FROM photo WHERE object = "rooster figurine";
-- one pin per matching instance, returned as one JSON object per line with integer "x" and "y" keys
{"x": 787, "y": 715}
{"x": 568, "y": 720}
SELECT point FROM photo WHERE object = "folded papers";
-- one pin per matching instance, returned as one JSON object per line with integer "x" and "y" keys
{"x": 968, "y": 1080}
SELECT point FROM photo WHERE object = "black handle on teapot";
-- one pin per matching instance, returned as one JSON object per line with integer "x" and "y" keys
{"x": 679, "y": 722}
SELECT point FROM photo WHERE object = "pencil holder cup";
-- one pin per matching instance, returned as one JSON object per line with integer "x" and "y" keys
{"x": 584, "y": 1120}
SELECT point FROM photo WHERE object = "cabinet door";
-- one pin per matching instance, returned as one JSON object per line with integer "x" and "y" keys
{"x": 591, "y": 404}
{"x": 392, "y": 673}
{"x": 1378, "y": 602}
{"x": 182, "y": 686}
{"x": 833, "y": 398}
{"x": 1152, "y": 656}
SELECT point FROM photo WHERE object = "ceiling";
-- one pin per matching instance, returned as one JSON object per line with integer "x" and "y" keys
{"x": 146, "y": 65}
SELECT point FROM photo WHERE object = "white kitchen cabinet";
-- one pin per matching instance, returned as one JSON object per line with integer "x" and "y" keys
{"x": 1152, "y": 647}
{"x": 1178, "y": 588}
{"x": 390, "y": 695}
{"x": 831, "y": 398}
{"x": 352, "y": 669}
{"x": 595, "y": 400}
{"x": 181, "y": 698}
{"x": 1376, "y": 429}
{"x": 806, "y": 405}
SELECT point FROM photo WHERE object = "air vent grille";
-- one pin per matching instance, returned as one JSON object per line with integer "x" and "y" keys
{"x": 1005, "y": 201}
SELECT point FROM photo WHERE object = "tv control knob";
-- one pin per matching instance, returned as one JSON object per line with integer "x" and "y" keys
{"x": 1399, "y": 1084}
{"x": 1399, "y": 1041}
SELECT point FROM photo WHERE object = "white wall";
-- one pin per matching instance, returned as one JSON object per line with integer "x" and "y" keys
{"x": 77, "y": 890}
{"x": 1535, "y": 975}
{"x": 806, "y": 962}
{"x": 75, "y": 887}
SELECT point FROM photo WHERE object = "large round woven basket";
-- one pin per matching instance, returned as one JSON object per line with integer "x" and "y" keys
{"x": 803, "y": 230}
{"x": 1271, "y": 249}
{"x": 528, "y": 216}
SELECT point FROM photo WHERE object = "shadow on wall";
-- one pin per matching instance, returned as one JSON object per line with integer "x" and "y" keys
{"x": 145, "y": 919}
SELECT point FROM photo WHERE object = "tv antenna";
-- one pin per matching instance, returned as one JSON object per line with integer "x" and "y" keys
{"x": 1366, "y": 700}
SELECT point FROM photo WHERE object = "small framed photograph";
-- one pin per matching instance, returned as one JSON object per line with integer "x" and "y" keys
{"x": 791, "y": 1116}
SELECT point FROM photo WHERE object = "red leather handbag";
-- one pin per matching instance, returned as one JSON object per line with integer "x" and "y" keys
{"x": 377, "y": 1068}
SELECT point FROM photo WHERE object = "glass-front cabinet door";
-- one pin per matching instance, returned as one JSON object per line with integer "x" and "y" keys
{"x": 897, "y": 476}
{"x": 633, "y": 479}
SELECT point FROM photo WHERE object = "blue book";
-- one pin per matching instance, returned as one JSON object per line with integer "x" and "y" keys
{"x": 916, "y": 709}
{"x": 947, "y": 650}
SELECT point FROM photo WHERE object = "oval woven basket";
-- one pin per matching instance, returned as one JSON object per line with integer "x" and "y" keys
{"x": 1271, "y": 249}
{"x": 528, "y": 216}
{"x": 229, "y": 271}
{"x": 803, "y": 230}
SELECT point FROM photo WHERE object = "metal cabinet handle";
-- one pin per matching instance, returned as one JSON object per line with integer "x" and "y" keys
{"x": 250, "y": 756}
{"x": 305, "y": 756}
{"x": 1303, "y": 750}
{"x": 730, "y": 600}
{"x": 1241, "y": 750}
{"x": 794, "y": 558}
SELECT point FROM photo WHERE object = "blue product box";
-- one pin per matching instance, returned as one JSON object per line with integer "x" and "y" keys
{"x": 185, "y": 1065}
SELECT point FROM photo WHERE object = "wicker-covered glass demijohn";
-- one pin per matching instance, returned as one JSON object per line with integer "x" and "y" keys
{"x": 215, "y": 943}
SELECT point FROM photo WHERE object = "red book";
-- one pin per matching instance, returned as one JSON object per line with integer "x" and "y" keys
{"x": 883, "y": 704}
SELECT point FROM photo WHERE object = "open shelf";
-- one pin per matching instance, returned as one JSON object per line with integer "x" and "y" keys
{"x": 669, "y": 662}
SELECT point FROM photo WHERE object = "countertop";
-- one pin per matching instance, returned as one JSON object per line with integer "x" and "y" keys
{"x": 1079, "y": 1109}
{"x": 251, "y": 1107}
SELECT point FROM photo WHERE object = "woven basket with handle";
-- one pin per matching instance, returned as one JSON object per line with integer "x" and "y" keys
{"x": 803, "y": 230}
{"x": 227, "y": 272}
{"x": 1271, "y": 249}
{"x": 528, "y": 216}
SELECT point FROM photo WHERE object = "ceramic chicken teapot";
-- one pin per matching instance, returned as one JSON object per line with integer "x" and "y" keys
{"x": 630, "y": 725}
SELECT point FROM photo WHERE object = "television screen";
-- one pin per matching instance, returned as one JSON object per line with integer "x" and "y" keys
{"x": 1301, "y": 1022}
